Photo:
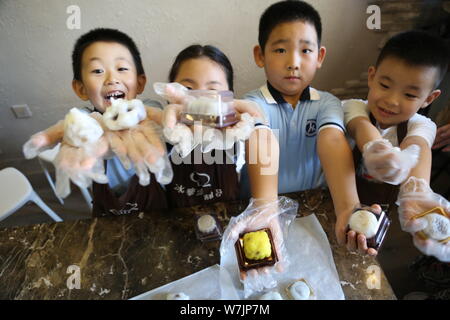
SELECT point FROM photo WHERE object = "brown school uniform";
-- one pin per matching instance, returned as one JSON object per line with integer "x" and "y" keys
{"x": 203, "y": 183}
{"x": 136, "y": 198}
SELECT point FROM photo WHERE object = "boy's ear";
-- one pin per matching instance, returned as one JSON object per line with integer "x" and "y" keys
{"x": 80, "y": 90}
{"x": 141, "y": 81}
{"x": 371, "y": 75}
{"x": 258, "y": 55}
{"x": 321, "y": 56}
{"x": 431, "y": 97}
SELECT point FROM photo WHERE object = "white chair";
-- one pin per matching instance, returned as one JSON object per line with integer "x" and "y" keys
{"x": 16, "y": 191}
{"x": 49, "y": 156}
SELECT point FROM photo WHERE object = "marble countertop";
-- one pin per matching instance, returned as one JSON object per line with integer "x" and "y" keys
{"x": 122, "y": 257}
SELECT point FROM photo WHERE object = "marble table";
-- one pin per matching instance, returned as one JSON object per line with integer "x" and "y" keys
{"x": 121, "y": 257}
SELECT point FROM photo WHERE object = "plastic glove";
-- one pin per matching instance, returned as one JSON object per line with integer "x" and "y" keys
{"x": 252, "y": 108}
{"x": 416, "y": 197}
{"x": 276, "y": 215}
{"x": 186, "y": 138}
{"x": 225, "y": 139}
{"x": 79, "y": 165}
{"x": 173, "y": 92}
{"x": 136, "y": 139}
{"x": 430, "y": 247}
{"x": 53, "y": 135}
{"x": 387, "y": 163}
{"x": 176, "y": 133}
{"x": 80, "y": 158}
{"x": 142, "y": 147}
{"x": 43, "y": 140}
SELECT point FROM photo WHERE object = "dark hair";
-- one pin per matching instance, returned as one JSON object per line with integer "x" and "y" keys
{"x": 287, "y": 11}
{"x": 418, "y": 48}
{"x": 197, "y": 51}
{"x": 107, "y": 35}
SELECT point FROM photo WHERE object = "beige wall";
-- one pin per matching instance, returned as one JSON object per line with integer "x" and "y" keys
{"x": 35, "y": 48}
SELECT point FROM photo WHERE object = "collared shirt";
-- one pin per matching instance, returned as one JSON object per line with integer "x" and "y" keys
{"x": 118, "y": 176}
{"x": 297, "y": 129}
{"x": 418, "y": 125}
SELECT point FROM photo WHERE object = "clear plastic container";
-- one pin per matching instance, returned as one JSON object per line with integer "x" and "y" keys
{"x": 245, "y": 263}
{"x": 383, "y": 223}
{"x": 211, "y": 108}
{"x": 208, "y": 228}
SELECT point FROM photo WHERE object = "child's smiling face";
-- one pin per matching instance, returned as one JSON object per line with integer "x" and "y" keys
{"x": 398, "y": 90}
{"x": 202, "y": 74}
{"x": 108, "y": 71}
{"x": 291, "y": 58}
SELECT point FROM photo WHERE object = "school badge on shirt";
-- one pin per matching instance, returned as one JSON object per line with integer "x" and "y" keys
{"x": 311, "y": 128}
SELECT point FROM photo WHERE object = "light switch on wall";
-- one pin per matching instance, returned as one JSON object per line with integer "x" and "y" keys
{"x": 21, "y": 111}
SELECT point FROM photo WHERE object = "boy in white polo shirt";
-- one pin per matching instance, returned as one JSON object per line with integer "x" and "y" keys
{"x": 309, "y": 122}
{"x": 405, "y": 79}
{"x": 394, "y": 140}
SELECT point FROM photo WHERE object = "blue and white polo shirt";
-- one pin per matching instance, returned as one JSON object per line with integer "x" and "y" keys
{"x": 297, "y": 129}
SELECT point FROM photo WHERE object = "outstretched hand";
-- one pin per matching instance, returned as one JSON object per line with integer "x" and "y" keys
{"x": 387, "y": 163}
{"x": 354, "y": 242}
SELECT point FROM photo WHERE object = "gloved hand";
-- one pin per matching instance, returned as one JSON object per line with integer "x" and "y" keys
{"x": 209, "y": 138}
{"x": 135, "y": 137}
{"x": 79, "y": 165}
{"x": 178, "y": 134}
{"x": 430, "y": 247}
{"x": 351, "y": 239}
{"x": 79, "y": 157}
{"x": 387, "y": 163}
{"x": 416, "y": 197}
{"x": 142, "y": 147}
{"x": 173, "y": 92}
{"x": 43, "y": 140}
{"x": 73, "y": 129}
{"x": 276, "y": 215}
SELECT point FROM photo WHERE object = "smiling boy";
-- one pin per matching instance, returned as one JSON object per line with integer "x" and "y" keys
{"x": 405, "y": 79}
{"x": 106, "y": 67}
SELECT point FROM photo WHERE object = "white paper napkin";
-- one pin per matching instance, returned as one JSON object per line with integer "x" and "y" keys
{"x": 202, "y": 285}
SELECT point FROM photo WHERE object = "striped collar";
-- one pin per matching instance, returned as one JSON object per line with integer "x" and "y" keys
{"x": 273, "y": 96}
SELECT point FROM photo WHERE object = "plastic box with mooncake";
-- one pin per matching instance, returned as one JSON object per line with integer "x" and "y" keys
{"x": 381, "y": 224}
{"x": 210, "y": 108}
{"x": 208, "y": 228}
{"x": 246, "y": 263}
